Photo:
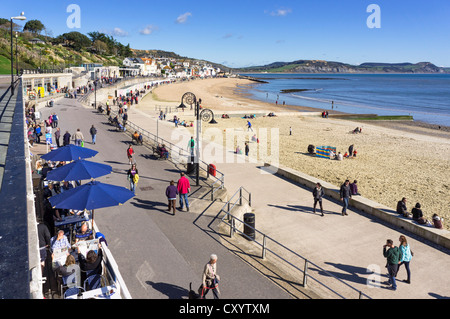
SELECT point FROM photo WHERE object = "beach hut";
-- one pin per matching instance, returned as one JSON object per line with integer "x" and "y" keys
{"x": 324, "y": 151}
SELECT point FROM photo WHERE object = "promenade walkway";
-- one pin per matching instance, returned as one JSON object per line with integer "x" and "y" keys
{"x": 158, "y": 254}
{"x": 349, "y": 247}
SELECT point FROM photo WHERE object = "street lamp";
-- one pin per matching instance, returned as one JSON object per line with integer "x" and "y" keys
{"x": 17, "y": 58}
{"x": 22, "y": 18}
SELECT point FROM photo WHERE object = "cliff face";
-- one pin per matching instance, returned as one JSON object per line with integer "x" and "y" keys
{"x": 318, "y": 66}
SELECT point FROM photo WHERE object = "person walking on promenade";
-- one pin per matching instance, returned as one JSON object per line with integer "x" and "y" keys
{"x": 210, "y": 279}
{"x": 55, "y": 120}
{"x": 393, "y": 256}
{"x": 191, "y": 146}
{"x": 345, "y": 194}
{"x": 318, "y": 193}
{"x": 407, "y": 255}
{"x": 66, "y": 138}
{"x": 93, "y": 132}
{"x": 78, "y": 137}
{"x": 133, "y": 177}
{"x": 171, "y": 193}
{"x": 183, "y": 187}
{"x": 57, "y": 137}
{"x": 130, "y": 153}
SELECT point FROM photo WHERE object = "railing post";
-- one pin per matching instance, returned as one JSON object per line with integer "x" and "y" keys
{"x": 264, "y": 248}
{"x": 240, "y": 196}
{"x": 305, "y": 276}
{"x": 232, "y": 223}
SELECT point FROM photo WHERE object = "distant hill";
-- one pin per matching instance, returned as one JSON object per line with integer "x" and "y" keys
{"x": 319, "y": 66}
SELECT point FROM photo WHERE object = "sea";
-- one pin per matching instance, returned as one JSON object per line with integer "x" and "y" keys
{"x": 426, "y": 97}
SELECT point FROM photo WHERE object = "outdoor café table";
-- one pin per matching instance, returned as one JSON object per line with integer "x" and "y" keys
{"x": 109, "y": 292}
{"x": 71, "y": 221}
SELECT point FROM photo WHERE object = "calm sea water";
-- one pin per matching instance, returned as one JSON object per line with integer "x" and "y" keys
{"x": 425, "y": 97}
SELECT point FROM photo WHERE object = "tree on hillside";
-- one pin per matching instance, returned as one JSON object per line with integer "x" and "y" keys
{"x": 74, "y": 40}
{"x": 34, "y": 26}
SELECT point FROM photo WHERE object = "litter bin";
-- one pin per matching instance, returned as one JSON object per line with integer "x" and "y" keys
{"x": 249, "y": 226}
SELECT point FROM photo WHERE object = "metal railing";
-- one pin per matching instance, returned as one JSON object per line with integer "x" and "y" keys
{"x": 178, "y": 155}
{"x": 233, "y": 221}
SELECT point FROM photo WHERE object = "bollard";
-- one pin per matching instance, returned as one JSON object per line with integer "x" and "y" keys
{"x": 305, "y": 274}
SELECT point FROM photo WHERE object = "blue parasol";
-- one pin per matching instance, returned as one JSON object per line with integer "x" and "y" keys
{"x": 91, "y": 196}
{"x": 69, "y": 153}
{"x": 79, "y": 170}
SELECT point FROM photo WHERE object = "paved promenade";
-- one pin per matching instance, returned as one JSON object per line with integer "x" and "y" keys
{"x": 159, "y": 254}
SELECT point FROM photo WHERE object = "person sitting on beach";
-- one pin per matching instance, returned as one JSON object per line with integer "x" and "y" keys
{"x": 238, "y": 150}
{"x": 339, "y": 157}
{"x": 332, "y": 155}
{"x": 346, "y": 155}
{"x": 354, "y": 188}
{"x": 354, "y": 153}
{"x": 254, "y": 138}
{"x": 356, "y": 130}
{"x": 418, "y": 215}
{"x": 438, "y": 221}
{"x": 401, "y": 208}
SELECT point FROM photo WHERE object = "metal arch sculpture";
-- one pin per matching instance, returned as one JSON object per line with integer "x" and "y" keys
{"x": 207, "y": 116}
{"x": 188, "y": 98}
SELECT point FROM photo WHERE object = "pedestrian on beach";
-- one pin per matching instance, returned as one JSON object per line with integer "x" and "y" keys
{"x": 290, "y": 131}
{"x": 171, "y": 193}
{"x": 247, "y": 149}
{"x": 57, "y": 137}
{"x": 183, "y": 187}
{"x": 249, "y": 126}
{"x": 66, "y": 138}
{"x": 350, "y": 150}
{"x": 393, "y": 256}
{"x": 210, "y": 279}
{"x": 318, "y": 193}
{"x": 345, "y": 194}
{"x": 93, "y": 132}
{"x": 133, "y": 177}
{"x": 407, "y": 255}
{"x": 130, "y": 153}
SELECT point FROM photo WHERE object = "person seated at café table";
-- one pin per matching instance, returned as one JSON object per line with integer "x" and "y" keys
{"x": 62, "y": 269}
{"x": 84, "y": 233}
{"x": 60, "y": 241}
{"x": 92, "y": 262}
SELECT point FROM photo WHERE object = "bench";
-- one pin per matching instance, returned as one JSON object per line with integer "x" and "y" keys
{"x": 157, "y": 154}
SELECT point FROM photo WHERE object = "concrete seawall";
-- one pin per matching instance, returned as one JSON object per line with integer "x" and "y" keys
{"x": 438, "y": 236}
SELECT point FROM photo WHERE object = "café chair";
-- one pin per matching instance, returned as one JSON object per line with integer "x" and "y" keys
{"x": 94, "y": 282}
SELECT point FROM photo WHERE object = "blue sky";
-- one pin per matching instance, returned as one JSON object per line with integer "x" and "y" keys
{"x": 250, "y": 32}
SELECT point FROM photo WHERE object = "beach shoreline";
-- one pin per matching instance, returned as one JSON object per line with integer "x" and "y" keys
{"x": 413, "y": 157}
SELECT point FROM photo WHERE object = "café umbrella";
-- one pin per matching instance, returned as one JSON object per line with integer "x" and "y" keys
{"x": 78, "y": 170}
{"x": 91, "y": 196}
{"x": 69, "y": 153}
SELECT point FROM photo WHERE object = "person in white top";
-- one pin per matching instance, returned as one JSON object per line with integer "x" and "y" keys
{"x": 210, "y": 280}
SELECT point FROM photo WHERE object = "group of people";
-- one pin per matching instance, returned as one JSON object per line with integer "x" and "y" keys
{"x": 395, "y": 258}
{"x": 416, "y": 214}
{"x": 350, "y": 154}
{"x": 346, "y": 192}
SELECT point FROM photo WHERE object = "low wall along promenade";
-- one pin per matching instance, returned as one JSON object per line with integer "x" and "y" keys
{"x": 440, "y": 237}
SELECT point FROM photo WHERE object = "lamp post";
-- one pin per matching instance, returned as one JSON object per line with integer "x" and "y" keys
{"x": 17, "y": 56}
{"x": 21, "y": 17}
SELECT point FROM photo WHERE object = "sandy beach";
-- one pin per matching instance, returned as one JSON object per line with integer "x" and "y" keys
{"x": 394, "y": 159}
